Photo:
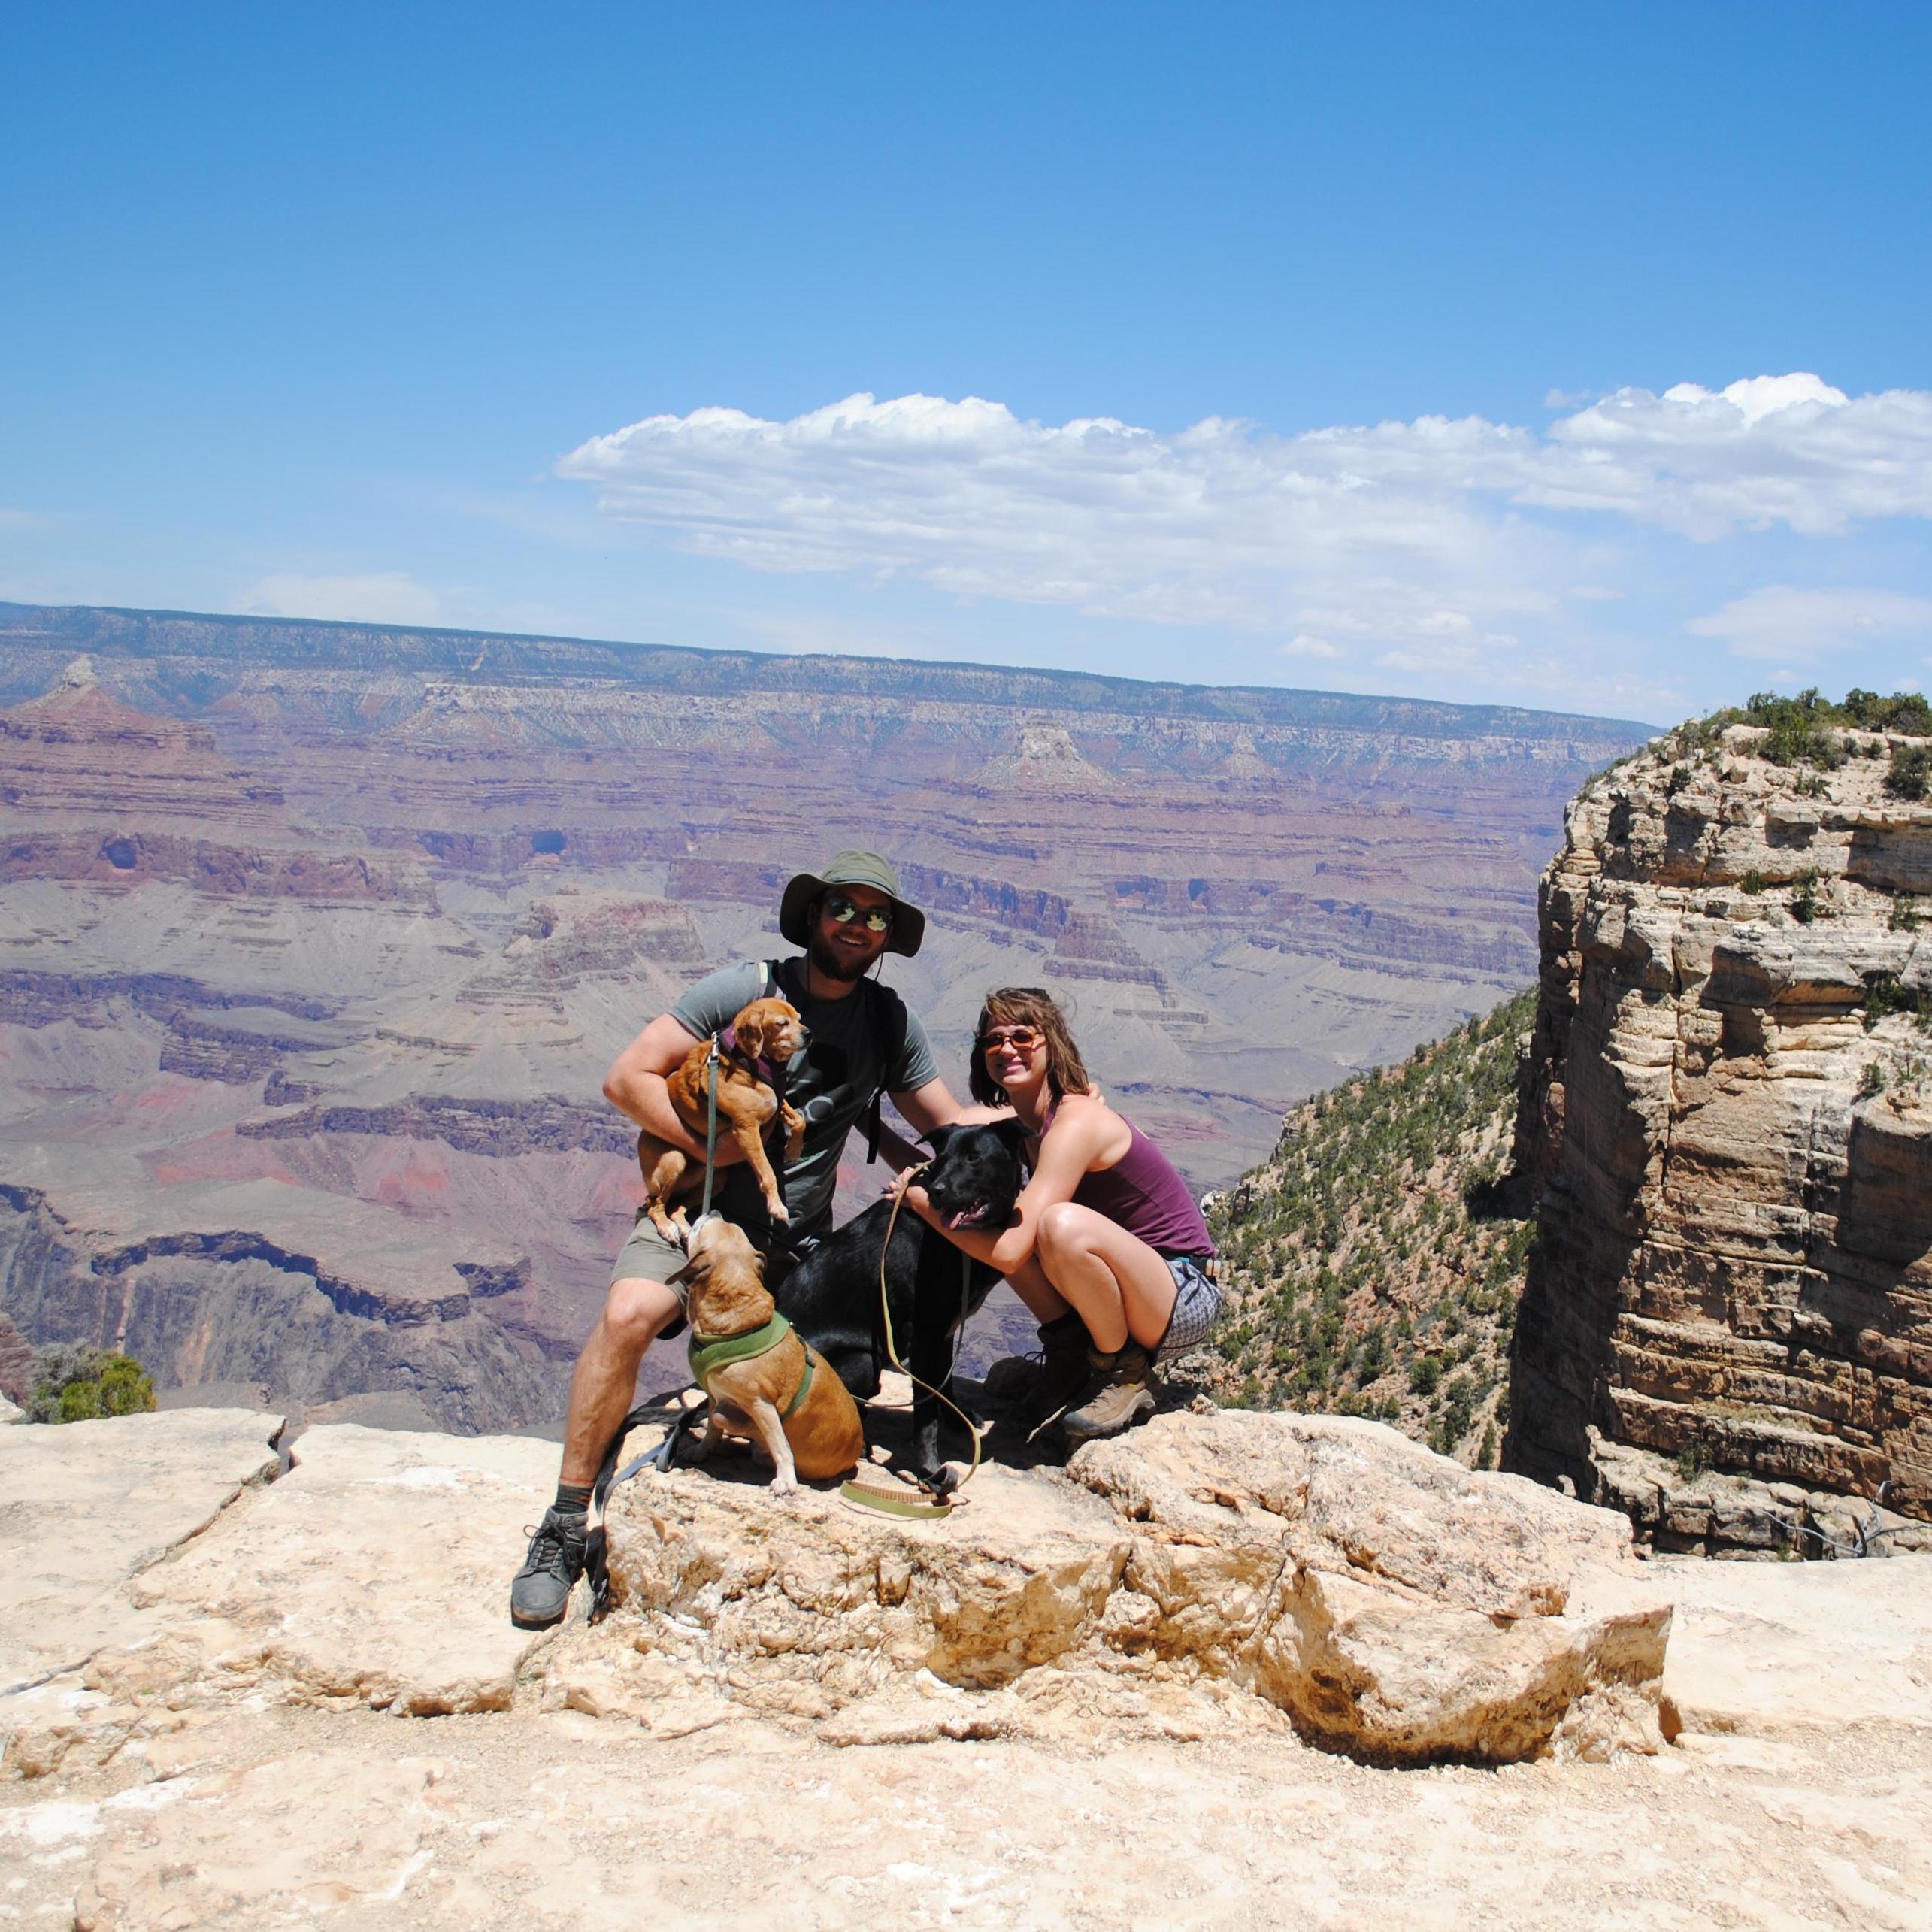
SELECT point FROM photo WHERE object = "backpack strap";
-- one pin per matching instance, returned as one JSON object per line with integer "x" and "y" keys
{"x": 892, "y": 1011}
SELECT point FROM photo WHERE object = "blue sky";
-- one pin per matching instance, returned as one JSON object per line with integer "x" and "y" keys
{"x": 1406, "y": 348}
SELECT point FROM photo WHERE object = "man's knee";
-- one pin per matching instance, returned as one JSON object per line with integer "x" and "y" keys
{"x": 636, "y": 1312}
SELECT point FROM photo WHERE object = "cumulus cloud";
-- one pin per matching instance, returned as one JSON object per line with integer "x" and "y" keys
{"x": 389, "y": 597}
{"x": 1786, "y": 624}
{"x": 1428, "y": 537}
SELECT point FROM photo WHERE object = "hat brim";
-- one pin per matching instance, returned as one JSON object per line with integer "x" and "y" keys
{"x": 795, "y": 916}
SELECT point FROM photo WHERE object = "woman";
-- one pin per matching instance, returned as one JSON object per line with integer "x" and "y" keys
{"x": 1107, "y": 1246}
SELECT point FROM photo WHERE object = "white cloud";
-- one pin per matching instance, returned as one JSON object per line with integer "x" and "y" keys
{"x": 387, "y": 597}
{"x": 1411, "y": 526}
{"x": 1783, "y": 623}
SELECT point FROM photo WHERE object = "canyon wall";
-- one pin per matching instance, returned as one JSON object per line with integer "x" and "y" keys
{"x": 1727, "y": 1321}
{"x": 320, "y": 938}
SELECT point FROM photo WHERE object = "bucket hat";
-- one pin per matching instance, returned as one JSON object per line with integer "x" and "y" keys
{"x": 851, "y": 868}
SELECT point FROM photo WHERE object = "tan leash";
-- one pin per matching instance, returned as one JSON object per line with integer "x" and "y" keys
{"x": 898, "y": 1502}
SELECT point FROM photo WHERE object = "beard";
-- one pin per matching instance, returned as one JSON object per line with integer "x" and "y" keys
{"x": 830, "y": 961}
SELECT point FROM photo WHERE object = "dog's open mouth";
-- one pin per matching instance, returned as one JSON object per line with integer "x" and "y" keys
{"x": 974, "y": 1216}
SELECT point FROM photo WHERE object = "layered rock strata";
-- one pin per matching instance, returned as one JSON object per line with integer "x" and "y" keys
{"x": 1727, "y": 1109}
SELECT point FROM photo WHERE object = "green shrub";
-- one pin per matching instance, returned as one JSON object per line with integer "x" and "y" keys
{"x": 1911, "y": 773}
{"x": 73, "y": 1382}
{"x": 1797, "y": 733}
{"x": 1906, "y": 711}
{"x": 1806, "y": 905}
{"x": 1884, "y": 996}
{"x": 1753, "y": 882}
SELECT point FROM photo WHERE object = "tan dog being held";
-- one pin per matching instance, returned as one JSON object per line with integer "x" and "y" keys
{"x": 821, "y": 1437}
{"x": 768, "y": 1031}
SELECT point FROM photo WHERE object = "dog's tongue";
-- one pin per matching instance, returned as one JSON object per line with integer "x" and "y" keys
{"x": 968, "y": 1217}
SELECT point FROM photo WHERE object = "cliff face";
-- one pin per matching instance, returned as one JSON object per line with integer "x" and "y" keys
{"x": 1727, "y": 1110}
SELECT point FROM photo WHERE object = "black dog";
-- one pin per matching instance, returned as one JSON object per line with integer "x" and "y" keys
{"x": 831, "y": 1297}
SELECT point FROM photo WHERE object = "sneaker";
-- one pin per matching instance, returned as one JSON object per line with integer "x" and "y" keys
{"x": 1065, "y": 1371}
{"x": 541, "y": 1590}
{"x": 1121, "y": 1395}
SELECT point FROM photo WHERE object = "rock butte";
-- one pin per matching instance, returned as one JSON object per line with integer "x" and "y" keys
{"x": 1083, "y": 1694}
{"x": 1734, "y": 1144}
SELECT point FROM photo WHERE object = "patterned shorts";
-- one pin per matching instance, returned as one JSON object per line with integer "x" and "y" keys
{"x": 1196, "y": 1306}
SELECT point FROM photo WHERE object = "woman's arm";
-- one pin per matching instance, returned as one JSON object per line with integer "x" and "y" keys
{"x": 1083, "y": 1132}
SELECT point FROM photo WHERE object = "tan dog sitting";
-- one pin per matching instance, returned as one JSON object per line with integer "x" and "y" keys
{"x": 752, "y": 1053}
{"x": 766, "y": 1385}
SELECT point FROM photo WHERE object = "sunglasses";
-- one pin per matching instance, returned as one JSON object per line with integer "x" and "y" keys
{"x": 875, "y": 919}
{"x": 1020, "y": 1039}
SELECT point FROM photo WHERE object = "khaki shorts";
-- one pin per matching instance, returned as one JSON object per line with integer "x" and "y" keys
{"x": 648, "y": 1256}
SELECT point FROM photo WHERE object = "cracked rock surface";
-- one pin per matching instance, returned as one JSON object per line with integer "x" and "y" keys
{"x": 313, "y": 1711}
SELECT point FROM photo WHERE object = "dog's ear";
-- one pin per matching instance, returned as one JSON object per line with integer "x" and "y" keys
{"x": 695, "y": 1269}
{"x": 936, "y": 1137}
{"x": 1011, "y": 1130}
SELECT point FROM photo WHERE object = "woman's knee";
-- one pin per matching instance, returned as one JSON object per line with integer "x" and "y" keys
{"x": 636, "y": 1312}
{"x": 1062, "y": 1229}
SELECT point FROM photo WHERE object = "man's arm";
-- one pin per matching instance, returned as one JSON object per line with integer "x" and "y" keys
{"x": 635, "y": 1085}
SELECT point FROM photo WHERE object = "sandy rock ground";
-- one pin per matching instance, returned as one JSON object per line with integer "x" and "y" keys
{"x": 311, "y": 1711}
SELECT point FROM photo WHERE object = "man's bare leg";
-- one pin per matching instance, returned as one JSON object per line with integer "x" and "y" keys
{"x": 636, "y": 1312}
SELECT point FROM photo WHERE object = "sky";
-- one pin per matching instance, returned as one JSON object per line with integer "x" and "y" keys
{"x": 1579, "y": 358}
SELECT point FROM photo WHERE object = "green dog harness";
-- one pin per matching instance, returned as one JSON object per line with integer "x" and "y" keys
{"x": 708, "y": 1353}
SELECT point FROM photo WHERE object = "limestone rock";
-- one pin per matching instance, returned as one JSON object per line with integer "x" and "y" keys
{"x": 211, "y": 1847}
{"x": 1727, "y": 1111}
{"x": 377, "y": 1571}
{"x": 1393, "y": 1605}
{"x": 1764, "y": 1648}
{"x": 86, "y": 1506}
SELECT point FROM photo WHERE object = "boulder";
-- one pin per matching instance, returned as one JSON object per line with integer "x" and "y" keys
{"x": 1390, "y": 1603}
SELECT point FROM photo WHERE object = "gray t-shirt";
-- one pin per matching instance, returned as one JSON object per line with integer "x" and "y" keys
{"x": 830, "y": 1082}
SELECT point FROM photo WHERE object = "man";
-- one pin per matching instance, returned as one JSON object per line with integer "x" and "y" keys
{"x": 845, "y": 919}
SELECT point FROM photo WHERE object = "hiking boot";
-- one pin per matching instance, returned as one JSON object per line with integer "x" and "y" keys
{"x": 541, "y": 1590}
{"x": 1121, "y": 1395}
{"x": 1065, "y": 1371}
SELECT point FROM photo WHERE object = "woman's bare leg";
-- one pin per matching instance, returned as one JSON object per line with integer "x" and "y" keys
{"x": 1121, "y": 1287}
{"x": 1044, "y": 1302}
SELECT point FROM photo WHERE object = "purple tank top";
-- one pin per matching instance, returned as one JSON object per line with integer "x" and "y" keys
{"x": 1142, "y": 1192}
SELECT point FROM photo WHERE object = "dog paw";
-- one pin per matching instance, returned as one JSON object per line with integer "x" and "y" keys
{"x": 784, "y": 1486}
{"x": 779, "y": 1211}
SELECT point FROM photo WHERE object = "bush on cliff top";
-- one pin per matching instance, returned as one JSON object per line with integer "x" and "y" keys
{"x": 75, "y": 1383}
{"x": 1800, "y": 727}
{"x": 1376, "y": 1259}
